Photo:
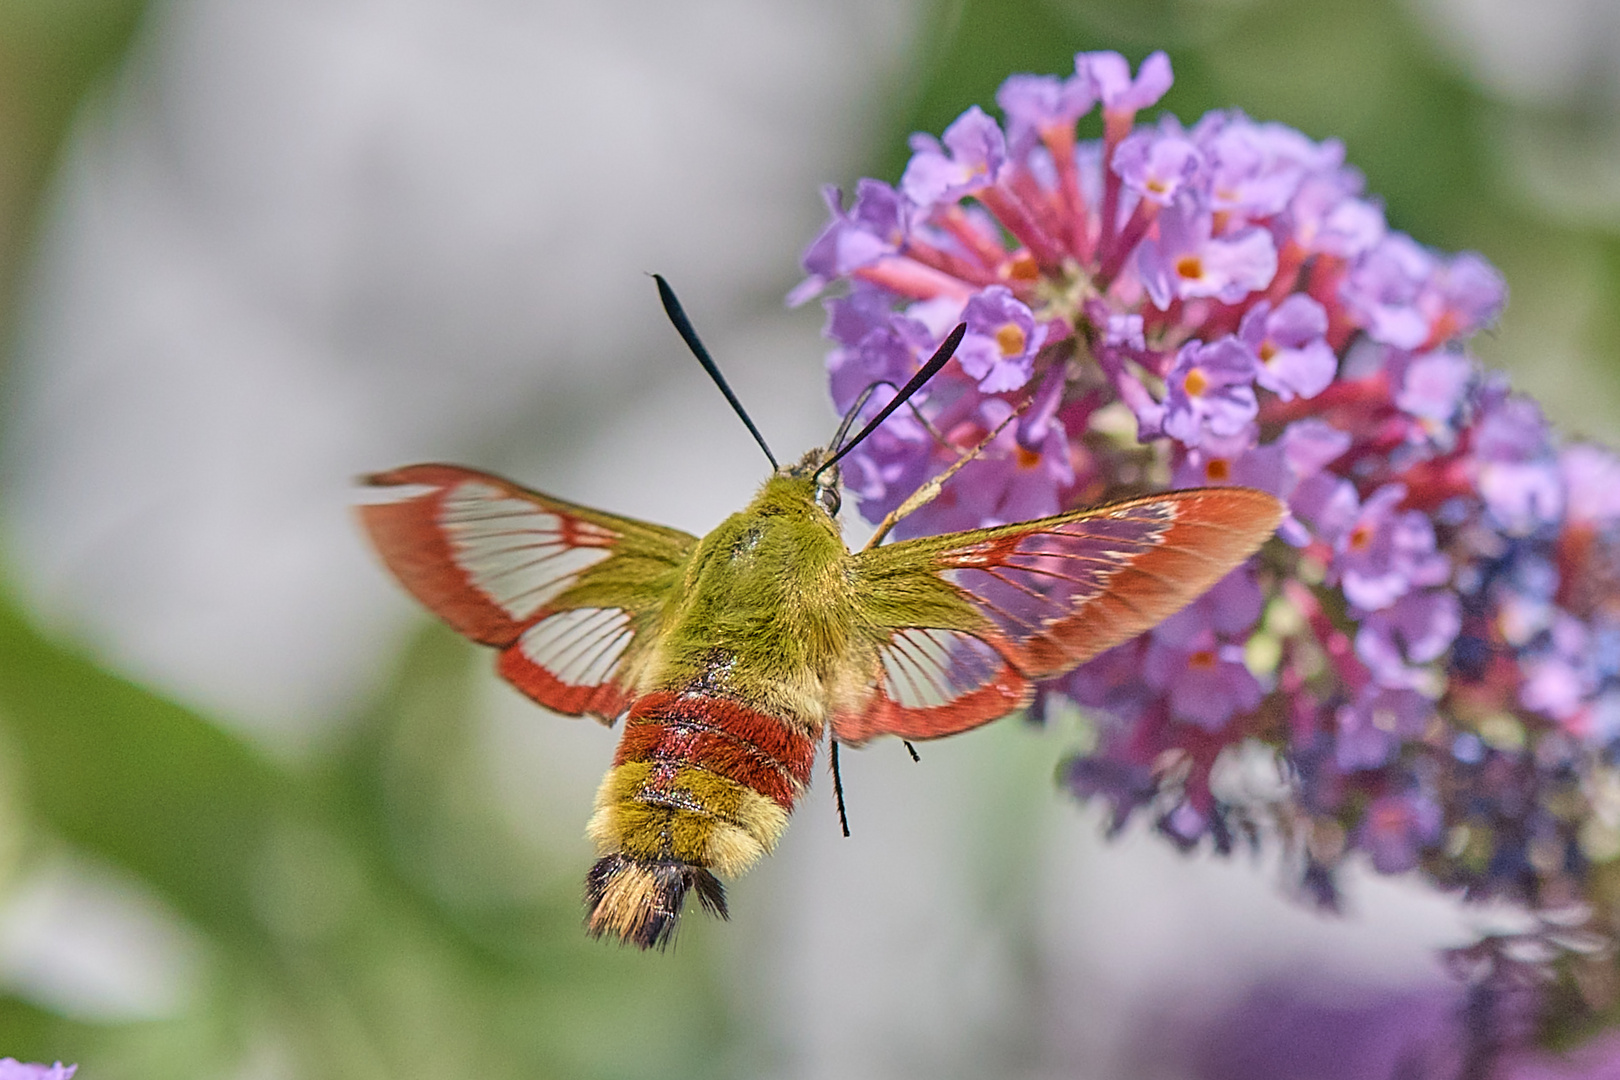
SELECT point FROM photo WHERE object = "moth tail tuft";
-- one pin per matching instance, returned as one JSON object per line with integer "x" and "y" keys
{"x": 639, "y": 901}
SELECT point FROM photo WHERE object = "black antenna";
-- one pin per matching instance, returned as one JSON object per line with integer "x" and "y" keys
{"x": 855, "y": 410}
{"x": 683, "y": 326}
{"x": 941, "y": 356}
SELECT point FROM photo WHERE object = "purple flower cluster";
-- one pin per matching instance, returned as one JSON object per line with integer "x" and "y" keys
{"x": 1431, "y": 652}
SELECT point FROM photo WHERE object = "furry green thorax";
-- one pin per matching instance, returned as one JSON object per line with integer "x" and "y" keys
{"x": 765, "y": 614}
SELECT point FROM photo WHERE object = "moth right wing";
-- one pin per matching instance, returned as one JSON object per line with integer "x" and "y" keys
{"x": 571, "y": 596}
{"x": 960, "y": 625}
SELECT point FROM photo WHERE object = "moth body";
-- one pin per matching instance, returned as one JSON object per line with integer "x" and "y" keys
{"x": 722, "y": 737}
{"x": 730, "y": 658}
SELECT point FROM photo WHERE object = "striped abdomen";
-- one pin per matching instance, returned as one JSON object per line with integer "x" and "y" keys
{"x": 699, "y": 784}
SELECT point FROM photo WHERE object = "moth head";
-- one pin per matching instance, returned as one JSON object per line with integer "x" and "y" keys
{"x": 822, "y": 476}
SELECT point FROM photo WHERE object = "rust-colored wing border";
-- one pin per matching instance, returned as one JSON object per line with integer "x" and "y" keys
{"x": 1044, "y": 595}
{"x": 569, "y": 594}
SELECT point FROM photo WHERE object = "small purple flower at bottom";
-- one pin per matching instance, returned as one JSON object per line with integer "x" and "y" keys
{"x": 1185, "y": 825}
{"x": 1304, "y": 1027}
{"x": 12, "y": 1069}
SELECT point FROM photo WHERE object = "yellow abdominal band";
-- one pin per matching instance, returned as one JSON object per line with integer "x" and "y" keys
{"x": 659, "y": 810}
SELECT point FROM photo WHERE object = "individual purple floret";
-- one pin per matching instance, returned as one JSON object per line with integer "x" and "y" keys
{"x": 1372, "y": 727}
{"x": 875, "y": 227}
{"x": 1255, "y": 169}
{"x": 1290, "y": 346}
{"x": 1203, "y": 678}
{"x": 1188, "y": 260}
{"x": 1386, "y": 552}
{"x": 1383, "y": 290}
{"x": 1118, "y": 91}
{"x": 1002, "y": 339}
{"x": 1209, "y": 392}
{"x": 1157, "y": 164}
{"x": 968, "y": 161}
{"x": 1434, "y": 386}
{"x": 1036, "y": 105}
{"x": 1398, "y": 642}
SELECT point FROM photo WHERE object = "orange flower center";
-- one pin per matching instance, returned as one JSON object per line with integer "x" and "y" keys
{"x": 1190, "y": 267}
{"x": 1360, "y": 538}
{"x": 1217, "y": 469}
{"x": 1010, "y": 339}
{"x": 1023, "y": 267}
{"x": 1267, "y": 351}
{"x": 1202, "y": 660}
{"x": 1028, "y": 459}
{"x": 1195, "y": 382}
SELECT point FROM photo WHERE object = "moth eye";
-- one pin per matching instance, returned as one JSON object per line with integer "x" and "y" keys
{"x": 829, "y": 499}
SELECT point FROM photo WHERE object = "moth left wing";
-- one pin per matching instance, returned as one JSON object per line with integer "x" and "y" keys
{"x": 570, "y": 595}
{"x": 959, "y": 625}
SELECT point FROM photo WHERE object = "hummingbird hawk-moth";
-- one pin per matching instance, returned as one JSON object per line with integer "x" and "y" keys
{"x": 732, "y": 656}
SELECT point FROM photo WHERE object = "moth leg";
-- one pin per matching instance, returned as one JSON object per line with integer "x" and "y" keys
{"x": 838, "y": 790}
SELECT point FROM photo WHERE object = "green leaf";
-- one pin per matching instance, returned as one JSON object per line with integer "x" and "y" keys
{"x": 136, "y": 779}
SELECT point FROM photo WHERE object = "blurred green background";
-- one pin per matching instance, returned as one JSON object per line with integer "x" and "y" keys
{"x": 362, "y": 910}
